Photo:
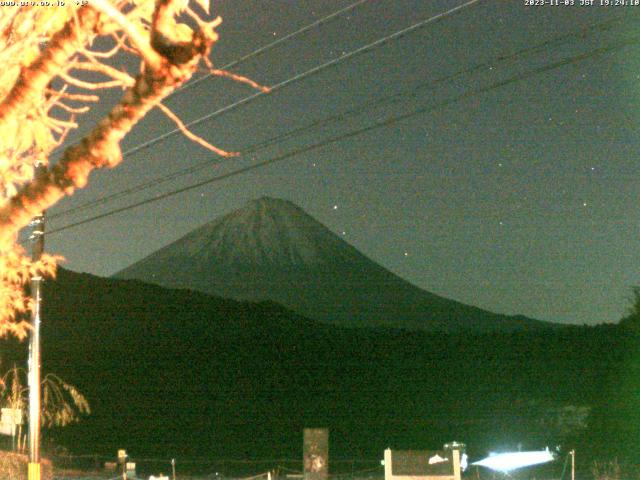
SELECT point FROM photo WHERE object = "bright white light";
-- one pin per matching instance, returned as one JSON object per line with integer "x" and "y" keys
{"x": 464, "y": 461}
{"x": 505, "y": 462}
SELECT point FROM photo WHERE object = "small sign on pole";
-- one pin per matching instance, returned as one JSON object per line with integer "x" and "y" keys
{"x": 131, "y": 468}
{"x": 7, "y": 429}
{"x": 122, "y": 462}
{"x": 11, "y": 416}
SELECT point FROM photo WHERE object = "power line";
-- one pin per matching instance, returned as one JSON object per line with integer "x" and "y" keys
{"x": 353, "y": 133}
{"x": 393, "y": 98}
{"x": 301, "y": 76}
{"x": 271, "y": 45}
{"x": 308, "y": 73}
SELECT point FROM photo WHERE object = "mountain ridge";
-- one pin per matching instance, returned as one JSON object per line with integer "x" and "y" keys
{"x": 271, "y": 249}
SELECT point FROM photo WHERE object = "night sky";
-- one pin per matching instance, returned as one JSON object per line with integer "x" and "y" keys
{"x": 512, "y": 186}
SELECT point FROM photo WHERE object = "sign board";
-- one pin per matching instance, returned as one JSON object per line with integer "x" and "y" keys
{"x": 315, "y": 453}
{"x": 422, "y": 464}
{"x": 12, "y": 416}
{"x": 7, "y": 429}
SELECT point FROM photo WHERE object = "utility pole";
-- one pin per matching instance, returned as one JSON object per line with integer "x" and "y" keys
{"x": 37, "y": 247}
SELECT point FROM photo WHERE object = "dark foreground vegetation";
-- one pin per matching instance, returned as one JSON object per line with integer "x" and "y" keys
{"x": 177, "y": 373}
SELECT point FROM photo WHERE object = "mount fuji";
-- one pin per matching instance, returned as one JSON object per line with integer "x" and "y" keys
{"x": 273, "y": 250}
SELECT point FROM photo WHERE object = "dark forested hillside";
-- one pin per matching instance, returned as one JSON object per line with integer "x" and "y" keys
{"x": 172, "y": 371}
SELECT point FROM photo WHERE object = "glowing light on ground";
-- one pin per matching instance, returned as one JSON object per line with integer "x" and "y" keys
{"x": 506, "y": 462}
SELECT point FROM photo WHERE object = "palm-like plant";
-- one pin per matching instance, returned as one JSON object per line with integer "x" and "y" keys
{"x": 62, "y": 403}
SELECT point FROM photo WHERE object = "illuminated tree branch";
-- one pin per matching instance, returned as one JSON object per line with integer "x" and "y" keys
{"x": 191, "y": 136}
{"x": 41, "y": 48}
{"x": 35, "y": 78}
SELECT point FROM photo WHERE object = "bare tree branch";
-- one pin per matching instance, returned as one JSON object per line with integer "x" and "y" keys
{"x": 101, "y": 147}
{"x": 137, "y": 37}
{"x": 76, "y": 82}
{"x": 193, "y": 137}
{"x": 35, "y": 78}
{"x": 95, "y": 66}
{"x": 239, "y": 78}
{"x": 169, "y": 53}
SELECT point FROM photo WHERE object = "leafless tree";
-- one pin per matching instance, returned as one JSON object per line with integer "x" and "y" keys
{"x": 51, "y": 58}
